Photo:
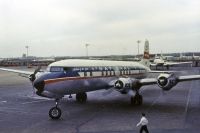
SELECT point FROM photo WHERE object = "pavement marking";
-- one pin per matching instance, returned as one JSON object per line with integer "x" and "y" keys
{"x": 35, "y": 101}
{"x": 156, "y": 100}
{"x": 17, "y": 111}
{"x": 3, "y": 101}
{"x": 188, "y": 98}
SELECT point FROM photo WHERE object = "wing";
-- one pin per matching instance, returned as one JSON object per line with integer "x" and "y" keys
{"x": 159, "y": 72}
{"x": 169, "y": 79}
{"x": 148, "y": 81}
{"x": 176, "y": 63}
{"x": 188, "y": 78}
{"x": 164, "y": 81}
{"x": 22, "y": 73}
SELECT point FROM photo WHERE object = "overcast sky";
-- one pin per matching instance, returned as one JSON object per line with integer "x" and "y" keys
{"x": 63, "y": 27}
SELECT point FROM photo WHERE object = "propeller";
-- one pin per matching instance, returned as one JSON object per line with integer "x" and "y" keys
{"x": 118, "y": 84}
{"x": 32, "y": 77}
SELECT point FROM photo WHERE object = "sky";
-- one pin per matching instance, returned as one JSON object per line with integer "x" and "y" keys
{"x": 110, "y": 27}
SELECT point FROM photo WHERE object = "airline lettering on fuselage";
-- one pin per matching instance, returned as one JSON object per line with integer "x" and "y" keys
{"x": 99, "y": 71}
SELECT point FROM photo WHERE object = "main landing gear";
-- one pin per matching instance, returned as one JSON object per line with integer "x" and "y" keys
{"x": 55, "y": 112}
{"x": 81, "y": 97}
{"x": 137, "y": 99}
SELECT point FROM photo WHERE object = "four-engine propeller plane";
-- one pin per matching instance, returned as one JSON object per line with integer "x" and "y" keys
{"x": 78, "y": 77}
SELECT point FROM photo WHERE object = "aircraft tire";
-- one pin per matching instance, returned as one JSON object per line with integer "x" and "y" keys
{"x": 55, "y": 113}
{"x": 137, "y": 100}
{"x": 81, "y": 97}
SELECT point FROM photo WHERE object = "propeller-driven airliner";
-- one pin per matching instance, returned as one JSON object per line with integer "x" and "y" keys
{"x": 159, "y": 61}
{"x": 79, "y": 76}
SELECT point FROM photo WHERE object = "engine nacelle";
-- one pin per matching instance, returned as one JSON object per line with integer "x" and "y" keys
{"x": 123, "y": 83}
{"x": 126, "y": 85}
{"x": 167, "y": 81}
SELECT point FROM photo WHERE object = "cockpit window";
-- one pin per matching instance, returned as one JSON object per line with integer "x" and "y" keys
{"x": 56, "y": 69}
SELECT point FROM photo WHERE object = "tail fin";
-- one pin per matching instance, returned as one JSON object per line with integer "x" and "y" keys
{"x": 146, "y": 56}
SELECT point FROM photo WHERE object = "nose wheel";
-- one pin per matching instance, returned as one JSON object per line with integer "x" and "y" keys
{"x": 55, "y": 112}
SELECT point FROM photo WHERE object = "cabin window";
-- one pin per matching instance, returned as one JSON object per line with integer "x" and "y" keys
{"x": 86, "y": 69}
{"x": 56, "y": 69}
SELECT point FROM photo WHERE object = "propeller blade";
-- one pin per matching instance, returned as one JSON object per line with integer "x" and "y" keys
{"x": 32, "y": 77}
{"x": 37, "y": 70}
{"x": 33, "y": 89}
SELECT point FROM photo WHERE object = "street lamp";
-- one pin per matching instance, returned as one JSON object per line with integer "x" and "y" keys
{"x": 138, "y": 47}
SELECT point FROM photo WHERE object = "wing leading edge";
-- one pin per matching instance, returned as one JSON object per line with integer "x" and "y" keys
{"x": 151, "y": 81}
{"x": 24, "y": 73}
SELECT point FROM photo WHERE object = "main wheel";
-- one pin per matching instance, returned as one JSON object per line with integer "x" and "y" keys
{"x": 137, "y": 100}
{"x": 55, "y": 113}
{"x": 81, "y": 97}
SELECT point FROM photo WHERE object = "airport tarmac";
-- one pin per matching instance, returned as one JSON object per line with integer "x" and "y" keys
{"x": 176, "y": 111}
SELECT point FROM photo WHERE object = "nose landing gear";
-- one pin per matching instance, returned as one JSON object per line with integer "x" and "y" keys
{"x": 55, "y": 112}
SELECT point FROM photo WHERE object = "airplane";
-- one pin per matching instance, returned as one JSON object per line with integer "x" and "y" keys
{"x": 159, "y": 61}
{"x": 79, "y": 76}
{"x": 194, "y": 57}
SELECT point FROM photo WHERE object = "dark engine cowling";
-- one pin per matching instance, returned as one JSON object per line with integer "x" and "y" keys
{"x": 167, "y": 81}
{"x": 123, "y": 83}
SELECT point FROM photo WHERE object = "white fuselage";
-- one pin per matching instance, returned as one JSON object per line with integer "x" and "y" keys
{"x": 159, "y": 61}
{"x": 74, "y": 76}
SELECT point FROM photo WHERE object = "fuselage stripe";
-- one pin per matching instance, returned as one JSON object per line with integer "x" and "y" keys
{"x": 49, "y": 81}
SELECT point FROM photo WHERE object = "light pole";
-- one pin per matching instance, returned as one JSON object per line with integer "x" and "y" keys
{"x": 86, "y": 47}
{"x": 138, "y": 47}
{"x": 27, "y": 47}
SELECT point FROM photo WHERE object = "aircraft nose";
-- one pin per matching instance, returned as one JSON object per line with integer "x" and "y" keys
{"x": 39, "y": 85}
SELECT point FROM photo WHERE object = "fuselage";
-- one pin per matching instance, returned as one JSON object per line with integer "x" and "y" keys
{"x": 74, "y": 76}
{"x": 159, "y": 61}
